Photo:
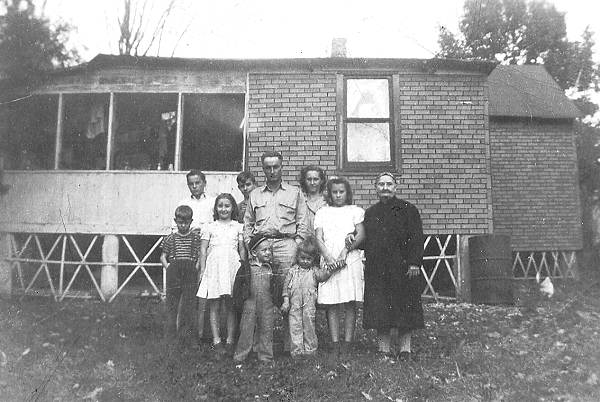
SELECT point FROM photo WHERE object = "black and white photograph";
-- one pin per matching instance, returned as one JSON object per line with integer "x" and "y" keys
{"x": 263, "y": 200}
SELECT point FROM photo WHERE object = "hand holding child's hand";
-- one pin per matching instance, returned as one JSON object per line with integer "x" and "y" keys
{"x": 349, "y": 240}
{"x": 329, "y": 260}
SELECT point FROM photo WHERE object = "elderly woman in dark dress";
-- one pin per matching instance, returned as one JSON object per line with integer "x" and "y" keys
{"x": 312, "y": 182}
{"x": 394, "y": 253}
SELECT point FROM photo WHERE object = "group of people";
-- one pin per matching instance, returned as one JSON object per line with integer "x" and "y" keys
{"x": 286, "y": 249}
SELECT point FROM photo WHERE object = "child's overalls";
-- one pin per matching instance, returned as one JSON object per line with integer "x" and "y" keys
{"x": 257, "y": 316}
{"x": 302, "y": 293}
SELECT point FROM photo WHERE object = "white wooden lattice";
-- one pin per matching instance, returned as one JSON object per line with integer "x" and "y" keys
{"x": 443, "y": 261}
{"x": 554, "y": 264}
{"x": 141, "y": 264}
{"x": 61, "y": 287}
{"x": 33, "y": 245}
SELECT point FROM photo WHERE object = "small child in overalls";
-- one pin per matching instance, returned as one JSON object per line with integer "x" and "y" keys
{"x": 300, "y": 297}
{"x": 258, "y": 316}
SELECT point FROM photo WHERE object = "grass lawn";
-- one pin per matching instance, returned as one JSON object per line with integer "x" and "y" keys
{"x": 546, "y": 350}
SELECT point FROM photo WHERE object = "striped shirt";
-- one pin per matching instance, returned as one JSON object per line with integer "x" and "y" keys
{"x": 182, "y": 247}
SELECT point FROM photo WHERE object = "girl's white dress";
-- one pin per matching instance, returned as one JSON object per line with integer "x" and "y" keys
{"x": 223, "y": 259}
{"x": 346, "y": 284}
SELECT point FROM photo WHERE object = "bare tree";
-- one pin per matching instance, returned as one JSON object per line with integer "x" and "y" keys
{"x": 142, "y": 26}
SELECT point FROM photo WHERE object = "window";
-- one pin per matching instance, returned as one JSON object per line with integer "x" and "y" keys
{"x": 29, "y": 133}
{"x": 85, "y": 129}
{"x": 145, "y": 130}
{"x": 368, "y": 124}
{"x": 213, "y": 132}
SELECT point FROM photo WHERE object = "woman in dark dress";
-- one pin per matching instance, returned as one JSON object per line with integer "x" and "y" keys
{"x": 394, "y": 255}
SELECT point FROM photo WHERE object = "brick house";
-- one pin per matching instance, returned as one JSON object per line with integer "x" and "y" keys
{"x": 108, "y": 143}
{"x": 535, "y": 183}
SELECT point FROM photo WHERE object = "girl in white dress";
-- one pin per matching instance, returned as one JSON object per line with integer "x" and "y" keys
{"x": 345, "y": 287}
{"x": 221, "y": 249}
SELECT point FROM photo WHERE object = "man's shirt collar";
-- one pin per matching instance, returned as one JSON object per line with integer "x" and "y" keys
{"x": 202, "y": 196}
{"x": 282, "y": 186}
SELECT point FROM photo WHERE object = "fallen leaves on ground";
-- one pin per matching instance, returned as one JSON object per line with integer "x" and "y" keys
{"x": 541, "y": 349}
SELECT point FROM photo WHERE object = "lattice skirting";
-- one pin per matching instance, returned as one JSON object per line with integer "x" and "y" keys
{"x": 70, "y": 265}
{"x": 52, "y": 264}
{"x": 440, "y": 267}
{"x": 554, "y": 264}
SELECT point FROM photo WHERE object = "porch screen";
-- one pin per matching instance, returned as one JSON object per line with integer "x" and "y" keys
{"x": 213, "y": 132}
{"x": 85, "y": 131}
{"x": 28, "y": 132}
{"x": 145, "y": 129}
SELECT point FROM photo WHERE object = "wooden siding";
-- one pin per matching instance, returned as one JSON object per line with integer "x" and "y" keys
{"x": 99, "y": 201}
{"x": 130, "y": 80}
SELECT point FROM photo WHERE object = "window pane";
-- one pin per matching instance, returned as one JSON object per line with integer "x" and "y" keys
{"x": 213, "y": 132}
{"x": 145, "y": 130}
{"x": 29, "y": 129}
{"x": 368, "y": 142}
{"x": 85, "y": 130}
{"x": 368, "y": 98}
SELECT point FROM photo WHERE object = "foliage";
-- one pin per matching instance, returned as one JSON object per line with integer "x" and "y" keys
{"x": 141, "y": 29}
{"x": 521, "y": 32}
{"x": 30, "y": 44}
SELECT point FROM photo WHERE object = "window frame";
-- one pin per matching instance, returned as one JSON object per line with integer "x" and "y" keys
{"x": 344, "y": 120}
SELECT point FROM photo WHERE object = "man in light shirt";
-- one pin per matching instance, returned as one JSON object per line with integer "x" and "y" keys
{"x": 278, "y": 212}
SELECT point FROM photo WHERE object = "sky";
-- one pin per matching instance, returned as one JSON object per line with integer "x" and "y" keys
{"x": 287, "y": 29}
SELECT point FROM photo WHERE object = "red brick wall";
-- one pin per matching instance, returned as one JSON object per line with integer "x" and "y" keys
{"x": 535, "y": 184}
{"x": 443, "y": 138}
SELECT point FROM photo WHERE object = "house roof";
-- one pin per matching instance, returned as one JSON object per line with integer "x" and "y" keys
{"x": 303, "y": 64}
{"x": 527, "y": 91}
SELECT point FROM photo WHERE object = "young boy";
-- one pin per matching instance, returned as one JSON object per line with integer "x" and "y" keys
{"x": 180, "y": 258}
{"x": 246, "y": 183}
{"x": 258, "y": 314}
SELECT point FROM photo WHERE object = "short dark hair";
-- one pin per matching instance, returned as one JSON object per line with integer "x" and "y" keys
{"x": 234, "y": 208}
{"x": 195, "y": 172}
{"x": 243, "y": 176}
{"x": 184, "y": 212}
{"x": 310, "y": 247}
{"x": 338, "y": 180}
{"x": 312, "y": 168}
{"x": 271, "y": 154}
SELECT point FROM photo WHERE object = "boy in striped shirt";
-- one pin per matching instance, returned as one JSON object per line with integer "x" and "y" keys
{"x": 180, "y": 259}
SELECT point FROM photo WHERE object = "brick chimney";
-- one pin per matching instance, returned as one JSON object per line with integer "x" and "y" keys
{"x": 338, "y": 47}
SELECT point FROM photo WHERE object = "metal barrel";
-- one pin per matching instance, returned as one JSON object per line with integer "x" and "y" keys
{"x": 491, "y": 271}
